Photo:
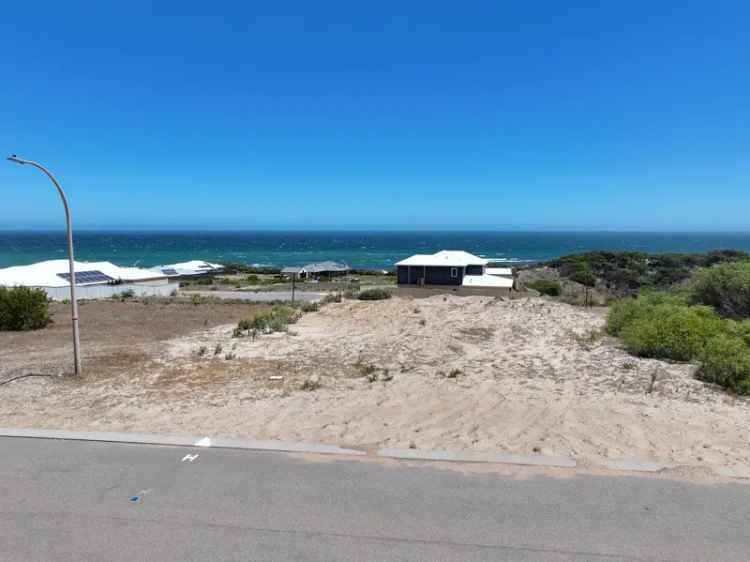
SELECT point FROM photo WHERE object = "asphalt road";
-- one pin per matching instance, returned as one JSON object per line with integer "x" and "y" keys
{"x": 66, "y": 500}
{"x": 260, "y": 296}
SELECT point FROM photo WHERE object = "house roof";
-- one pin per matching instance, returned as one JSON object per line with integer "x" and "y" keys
{"x": 193, "y": 267}
{"x": 50, "y": 273}
{"x": 487, "y": 281}
{"x": 322, "y": 266}
{"x": 450, "y": 258}
{"x": 293, "y": 269}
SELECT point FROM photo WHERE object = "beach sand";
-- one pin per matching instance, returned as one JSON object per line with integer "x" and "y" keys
{"x": 526, "y": 376}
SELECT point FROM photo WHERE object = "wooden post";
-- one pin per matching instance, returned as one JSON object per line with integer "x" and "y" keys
{"x": 294, "y": 278}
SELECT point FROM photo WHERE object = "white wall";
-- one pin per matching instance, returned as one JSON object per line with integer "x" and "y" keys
{"x": 106, "y": 291}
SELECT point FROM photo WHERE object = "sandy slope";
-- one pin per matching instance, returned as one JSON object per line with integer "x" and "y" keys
{"x": 529, "y": 375}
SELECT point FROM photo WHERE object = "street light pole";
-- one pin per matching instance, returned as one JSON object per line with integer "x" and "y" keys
{"x": 71, "y": 261}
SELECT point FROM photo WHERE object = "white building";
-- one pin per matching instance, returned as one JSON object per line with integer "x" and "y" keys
{"x": 188, "y": 268}
{"x": 93, "y": 279}
{"x": 449, "y": 268}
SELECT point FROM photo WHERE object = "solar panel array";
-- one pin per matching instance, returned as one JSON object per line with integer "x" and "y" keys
{"x": 82, "y": 277}
{"x": 169, "y": 271}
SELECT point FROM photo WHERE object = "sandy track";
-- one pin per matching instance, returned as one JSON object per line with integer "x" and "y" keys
{"x": 445, "y": 372}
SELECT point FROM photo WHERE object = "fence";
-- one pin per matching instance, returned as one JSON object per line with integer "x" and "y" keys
{"x": 90, "y": 292}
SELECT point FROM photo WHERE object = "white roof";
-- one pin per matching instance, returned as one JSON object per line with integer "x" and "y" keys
{"x": 451, "y": 258}
{"x": 45, "y": 273}
{"x": 193, "y": 267}
{"x": 499, "y": 271}
{"x": 487, "y": 281}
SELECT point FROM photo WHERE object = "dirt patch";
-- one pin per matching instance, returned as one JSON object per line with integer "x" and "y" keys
{"x": 528, "y": 375}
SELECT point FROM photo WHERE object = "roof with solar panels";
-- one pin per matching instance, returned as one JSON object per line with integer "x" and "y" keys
{"x": 194, "y": 267}
{"x": 55, "y": 273}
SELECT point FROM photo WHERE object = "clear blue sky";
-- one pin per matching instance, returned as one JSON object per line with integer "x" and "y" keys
{"x": 483, "y": 115}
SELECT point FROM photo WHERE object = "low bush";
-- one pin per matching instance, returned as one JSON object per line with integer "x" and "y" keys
{"x": 306, "y": 306}
{"x": 23, "y": 308}
{"x": 665, "y": 326}
{"x": 725, "y": 360}
{"x": 726, "y": 287}
{"x": 275, "y": 320}
{"x": 671, "y": 331}
{"x": 545, "y": 287}
{"x": 374, "y": 295}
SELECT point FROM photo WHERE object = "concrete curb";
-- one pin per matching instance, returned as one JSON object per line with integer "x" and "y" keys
{"x": 635, "y": 464}
{"x": 477, "y": 456}
{"x": 180, "y": 441}
{"x": 489, "y": 457}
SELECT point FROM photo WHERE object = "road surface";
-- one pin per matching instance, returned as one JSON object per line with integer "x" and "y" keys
{"x": 260, "y": 296}
{"x": 69, "y": 500}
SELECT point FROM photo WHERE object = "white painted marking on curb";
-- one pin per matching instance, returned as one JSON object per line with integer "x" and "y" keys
{"x": 205, "y": 442}
{"x": 190, "y": 458}
{"x": 635, "y": 464}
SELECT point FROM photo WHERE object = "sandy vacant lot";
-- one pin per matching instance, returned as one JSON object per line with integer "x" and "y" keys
{"x": 526, "y": 375}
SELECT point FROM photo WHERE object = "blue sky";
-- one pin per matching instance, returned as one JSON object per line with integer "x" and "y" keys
{"x": 419, "y": 115}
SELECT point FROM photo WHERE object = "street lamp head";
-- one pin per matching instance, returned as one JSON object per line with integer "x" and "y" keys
{"x": 14, "y": 158}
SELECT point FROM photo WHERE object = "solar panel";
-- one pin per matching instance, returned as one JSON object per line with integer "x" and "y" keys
{"x": 82, "y": 277}
{"x": 169, "y": 271}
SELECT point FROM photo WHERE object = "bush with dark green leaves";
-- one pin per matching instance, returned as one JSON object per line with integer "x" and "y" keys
{"x": 545, "y": 287}
{"x": 726, "y": 287}
{"x": 664, "y": 325}
{"x": 23, "y": 308}
{"x": 725, "y": 360}
{"x": 374, "y": 295}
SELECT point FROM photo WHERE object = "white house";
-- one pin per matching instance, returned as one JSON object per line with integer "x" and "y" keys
{"x": 449, "y": 268}
{"x": 93, "y": 279}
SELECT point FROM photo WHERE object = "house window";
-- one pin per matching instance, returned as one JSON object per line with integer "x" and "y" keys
{"x": 454, "y": 272}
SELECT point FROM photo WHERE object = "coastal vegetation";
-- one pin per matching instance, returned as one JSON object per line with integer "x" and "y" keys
{"x": 708, "y": 322}
{"x": 626, "y": 273}
{"x": 23, "y": 308}
{"x": 374, "y": 295}
{"x": 545, "y": 287}
{"x": 277, "y": 319}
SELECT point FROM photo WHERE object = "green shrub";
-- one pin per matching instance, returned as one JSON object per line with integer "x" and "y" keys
{"x": 23, "y": 308}
{"x": 726, "y": 287}
{"x": 725, "y": 360}
{"x": 669, "y": 331}
{"x": 374, "y": 295}
{"x": 545, "y": 287}
{"x": 627, "y": 310}
{"x": 123, "y": 296}
{"x": 275, "y": 320}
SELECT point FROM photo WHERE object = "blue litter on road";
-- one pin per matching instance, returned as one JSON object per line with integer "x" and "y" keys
{"x": 135, "y": 498}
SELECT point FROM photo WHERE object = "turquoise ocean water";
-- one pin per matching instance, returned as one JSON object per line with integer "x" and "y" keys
{"x": 358, "y": 249}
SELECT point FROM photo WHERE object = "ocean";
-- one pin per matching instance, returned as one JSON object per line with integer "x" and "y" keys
{"x": 358, "y": 249}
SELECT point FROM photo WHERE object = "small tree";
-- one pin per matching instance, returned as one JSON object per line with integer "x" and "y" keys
{"x": 23, "y": 308}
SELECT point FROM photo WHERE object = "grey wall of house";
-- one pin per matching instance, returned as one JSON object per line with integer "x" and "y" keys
{"x": 474, "y": 269}
{"x": 435, "y": 275}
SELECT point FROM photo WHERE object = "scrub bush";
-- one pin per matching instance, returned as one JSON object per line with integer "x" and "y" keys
{"x": 726, "y": 287}
{"x": 725, "y": 360}
{"x": 23, "y": 308}
{"x": 545, "y": 287}
{"x": 374, "y": 295}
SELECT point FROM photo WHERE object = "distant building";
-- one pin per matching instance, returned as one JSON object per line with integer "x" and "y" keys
{"x": 188, "y": 268}
{"x": 93, "y": 279}
{"x": 449, "y": 268}
{"x": 294, "y": 272}
{"x": 319, "y": 270}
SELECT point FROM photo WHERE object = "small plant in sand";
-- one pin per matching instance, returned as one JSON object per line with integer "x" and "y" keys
{"x": 202, "y": 351}
{"x": 196, "y": 300}
{"x": 331, "y": 297}
{"x": 123, "y": 296}
{"x": 217, "y": 349}
{"x": 422, "y": 322}
{"x": 311, "y": 383}
{"x": 374, "y": 295}
{"x": 230, "y": 356}
{"x": 629, "y": 366}
{"x": 309, "y": 306}
{"x": 275, "y": 320}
